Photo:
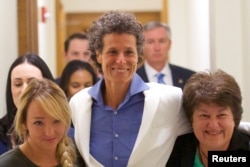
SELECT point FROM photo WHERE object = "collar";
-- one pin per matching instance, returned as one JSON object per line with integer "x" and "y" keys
{"x": 151, "y": 72}
{"x": 137, "y": 85}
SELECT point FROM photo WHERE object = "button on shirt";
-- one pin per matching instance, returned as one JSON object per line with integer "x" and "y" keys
{"x": 113, "y": 132}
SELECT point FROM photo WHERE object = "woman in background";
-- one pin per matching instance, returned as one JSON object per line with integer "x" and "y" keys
{"x": 76, "y": 76}
{"x": 21, "y": 71}
{"x": 212, "y": 102}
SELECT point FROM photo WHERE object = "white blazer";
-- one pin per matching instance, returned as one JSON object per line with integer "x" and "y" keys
{"x": 162, "y": 121}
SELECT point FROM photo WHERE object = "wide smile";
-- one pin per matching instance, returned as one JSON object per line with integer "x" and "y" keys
{"x": 120, "y": 70}
{"x": 213, "y": 132}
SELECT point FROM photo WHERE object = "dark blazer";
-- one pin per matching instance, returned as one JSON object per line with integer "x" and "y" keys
{"x": 185, "y": 147}
{"x": 180, "y": 75}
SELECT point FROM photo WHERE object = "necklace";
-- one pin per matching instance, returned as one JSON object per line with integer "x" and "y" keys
{"x": 202, "y": 154}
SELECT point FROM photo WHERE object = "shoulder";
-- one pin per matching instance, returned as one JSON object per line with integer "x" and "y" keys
{"x": 186, "y": 138}
{"x": 3, "y": 147}
{"x": 162, "y": 89}
{"x": 141, "y": 70}
{"x": 81, "y": 95}
{"x": 7, "y": 159}
{"x": 15, "y": 157}
{"x": 240, "y": 141}
{"x": 142, "y": 67}
{"x": 166, "y": 95}
{"x": 186, "y": 143}
{"x": 183, "y": 152}
{"x": 80, "y": 102}
{"x": 181, "y": 69}
{"x": 57, "y": 80}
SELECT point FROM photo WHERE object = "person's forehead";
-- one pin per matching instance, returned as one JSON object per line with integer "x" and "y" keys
{"x": 26, "y": 70}
{"x": 78, "y": 41}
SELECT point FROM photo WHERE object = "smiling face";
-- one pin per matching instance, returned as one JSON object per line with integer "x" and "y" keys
{"x": 44, "y": 131}
{"x": 118, "y": 58}
{"x": 213, "y": 126}
{"x": 20, "y": 77}
{"x": 80, "y": 79}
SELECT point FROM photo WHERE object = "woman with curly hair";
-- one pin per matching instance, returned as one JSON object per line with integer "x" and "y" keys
{"x": 121, "y": 120}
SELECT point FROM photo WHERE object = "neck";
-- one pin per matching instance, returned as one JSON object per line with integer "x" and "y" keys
{"x": 114, "y": 94}
{"x": 158, "y": 66}
{"x": 203, "y": 156}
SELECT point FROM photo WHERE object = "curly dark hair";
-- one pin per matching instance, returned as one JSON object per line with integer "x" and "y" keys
{"x": 217, "y": 87}
{"x": 114, "y": 22}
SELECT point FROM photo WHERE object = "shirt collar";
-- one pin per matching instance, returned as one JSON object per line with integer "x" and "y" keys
{"x": 137, "y": 86}
{"x": 151, "y": 72}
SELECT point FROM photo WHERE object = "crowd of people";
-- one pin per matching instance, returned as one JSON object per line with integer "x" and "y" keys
{"x": 118, "y": 102}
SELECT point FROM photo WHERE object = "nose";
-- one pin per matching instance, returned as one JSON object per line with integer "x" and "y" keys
{"x": 48, "y": 130}
{"x": 24, "y": 86}
{"x": 120, "y": 59}
{"x": 80, "y": 88}
{"x": 156, "y": 45}
{"x": 213, "y": 123}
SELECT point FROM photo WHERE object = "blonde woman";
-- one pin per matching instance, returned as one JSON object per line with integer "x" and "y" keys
{"x": 42, "y": 122}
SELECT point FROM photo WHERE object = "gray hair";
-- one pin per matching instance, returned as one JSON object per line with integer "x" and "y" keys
{"x": 156, "y": 24}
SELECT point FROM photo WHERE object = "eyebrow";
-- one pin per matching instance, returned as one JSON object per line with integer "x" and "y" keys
{"x": 21, "y": 78}
{"x": 37, "y": 117}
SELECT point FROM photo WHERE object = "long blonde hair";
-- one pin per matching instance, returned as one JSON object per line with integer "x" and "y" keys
{"x": 54, "y": 102}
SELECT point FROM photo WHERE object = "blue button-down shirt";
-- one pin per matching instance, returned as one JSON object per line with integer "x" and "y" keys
{"x": 114, "y": 132}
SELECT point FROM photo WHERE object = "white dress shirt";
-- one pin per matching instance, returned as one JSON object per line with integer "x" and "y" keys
{"x": 152, "y": 74}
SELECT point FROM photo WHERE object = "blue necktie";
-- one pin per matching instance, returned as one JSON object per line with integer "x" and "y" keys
{"x": 160, "y": 78}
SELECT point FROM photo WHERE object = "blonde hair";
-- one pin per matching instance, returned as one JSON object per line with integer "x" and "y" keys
{"x": 54, "y": 102}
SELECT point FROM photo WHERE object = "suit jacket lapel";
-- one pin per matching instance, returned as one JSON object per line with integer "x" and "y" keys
{"x": 142, "y": 73}
{"x": 82, "y": 135}
{"x": 150, "y": 107}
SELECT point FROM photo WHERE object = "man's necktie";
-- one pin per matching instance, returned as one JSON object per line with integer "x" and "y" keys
{"x": 160, "y": 78}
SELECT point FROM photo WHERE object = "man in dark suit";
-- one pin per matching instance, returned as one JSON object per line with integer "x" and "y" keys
{"x": 157, "y": 45}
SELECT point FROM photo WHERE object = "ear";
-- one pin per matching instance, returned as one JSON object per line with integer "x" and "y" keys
{"x": 25, "y": 131}
{"x": 98, "y": 57}
{"x": 170, "y": 43}
{"x": 65, "y": 56}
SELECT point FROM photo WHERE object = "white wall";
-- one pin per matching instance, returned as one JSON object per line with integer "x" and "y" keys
{"x": 230, "y": 43}
{"x": 71, "y": 6}
{"x": 246, "y": 60}
{"x": 47, "y": 34}
{"x": 8, "y": 44}
{"x": 189, "y": 21}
